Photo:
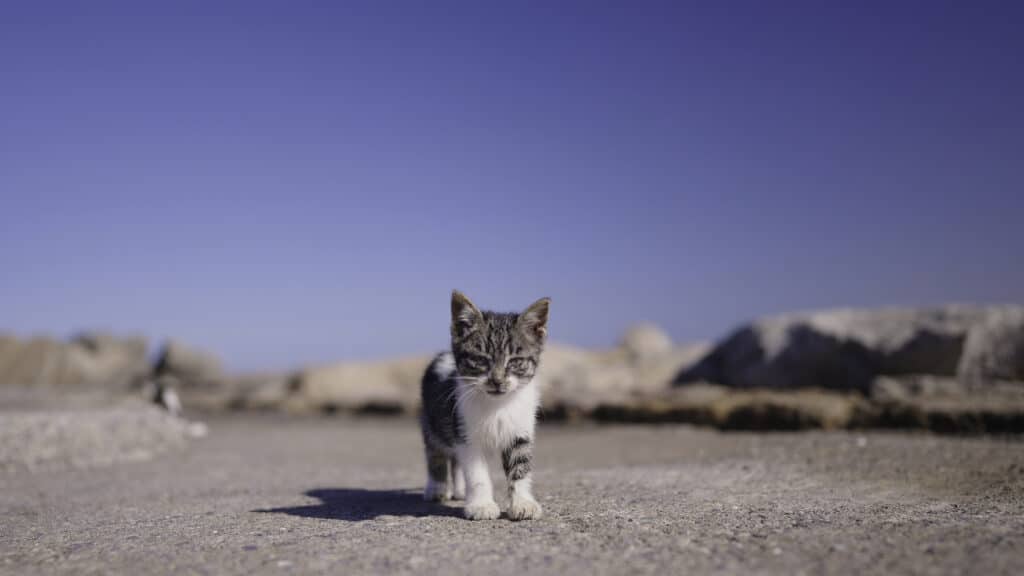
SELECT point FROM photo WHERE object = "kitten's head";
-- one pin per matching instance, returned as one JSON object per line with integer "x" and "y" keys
{"x": 498, "y": 353}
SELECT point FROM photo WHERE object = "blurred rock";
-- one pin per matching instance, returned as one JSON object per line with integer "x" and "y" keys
{"x": 994, "y": 349}
{"x": 841, "y": 349}
{"x": 39, "y": 361}
{"x": 730, "y": 409}
{"x": 381, "y": 387}
{"x": 190, "y": 366}
{"x": 645, "y": 341}
{"x": 261, "y": 391}
{"x": 770, "y": 410}
{"x": 949, "y": 369}
{"x": 658, "y": 372}
{"x": 134, "y": 347}
{"x": 118, "y": 362}
{"x": 87, "y": 359}
{"x": 907, "y": 388}
{"x": 575, "y": 381}
{"x": 947, "y": 404}
{"x": 938, "y": 406}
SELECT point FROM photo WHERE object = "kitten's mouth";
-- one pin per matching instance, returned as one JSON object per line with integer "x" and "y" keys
{"x": 495, "y": 392}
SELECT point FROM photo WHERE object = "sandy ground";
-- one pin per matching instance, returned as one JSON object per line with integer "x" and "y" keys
{"x": 267, "y": 495}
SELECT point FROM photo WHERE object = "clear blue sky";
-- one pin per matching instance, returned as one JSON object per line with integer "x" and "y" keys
{"x": 289, "y": 182}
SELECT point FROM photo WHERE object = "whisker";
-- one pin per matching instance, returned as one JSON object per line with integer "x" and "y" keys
{"x": 450, "y": 395}
{"x": 467, "y": 393}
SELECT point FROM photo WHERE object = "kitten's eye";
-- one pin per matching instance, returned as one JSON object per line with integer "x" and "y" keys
{"x": 519, "y": 365}
{"x": 477, "y": 362}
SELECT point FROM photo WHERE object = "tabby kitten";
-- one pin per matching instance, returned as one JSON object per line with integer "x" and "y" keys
{"x": 480, "y": 397}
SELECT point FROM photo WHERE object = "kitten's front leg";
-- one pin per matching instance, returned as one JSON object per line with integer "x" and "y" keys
{"x": 517, "y": 459}
{"x": 480, "y": 503}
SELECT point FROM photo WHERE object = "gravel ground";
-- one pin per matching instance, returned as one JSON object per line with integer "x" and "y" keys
{"x": 269, "y": 495}
{"x": 62, "y": 439}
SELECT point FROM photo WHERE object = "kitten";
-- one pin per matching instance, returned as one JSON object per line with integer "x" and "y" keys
{"x": 480, "y": 397}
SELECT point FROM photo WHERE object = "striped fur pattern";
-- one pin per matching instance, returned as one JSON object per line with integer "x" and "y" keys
{"x": 480, "y": 398}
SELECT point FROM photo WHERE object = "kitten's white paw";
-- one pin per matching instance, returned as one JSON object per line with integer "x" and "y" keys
{"x": 436, "y": 491}
{"x": 524, "y": 509}
{"x": 486, "y": 510}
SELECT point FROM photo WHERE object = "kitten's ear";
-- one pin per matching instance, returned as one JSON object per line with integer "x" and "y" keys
{"x": 534, "y": 320}
{"x": 465, "y": 316}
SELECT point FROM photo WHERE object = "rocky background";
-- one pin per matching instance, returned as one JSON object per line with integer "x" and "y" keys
{"x": 948, "y": 369}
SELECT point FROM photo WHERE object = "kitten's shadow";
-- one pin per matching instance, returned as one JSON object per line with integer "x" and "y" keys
{"x": 358, "y": 504}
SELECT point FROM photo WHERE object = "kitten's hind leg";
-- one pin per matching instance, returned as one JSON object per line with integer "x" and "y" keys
{"x": 438, "y": 487}
{"x": 458, "y": 481}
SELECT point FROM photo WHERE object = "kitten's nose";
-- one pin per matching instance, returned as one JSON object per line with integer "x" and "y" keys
{"x": 495, "y": 387}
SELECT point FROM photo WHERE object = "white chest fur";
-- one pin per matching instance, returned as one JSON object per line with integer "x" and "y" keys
{"x": 495, "y": 421}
